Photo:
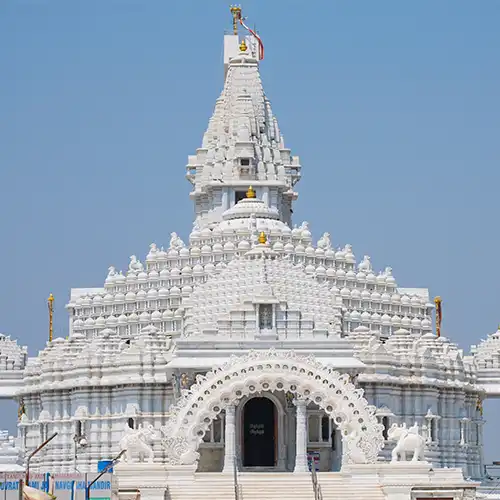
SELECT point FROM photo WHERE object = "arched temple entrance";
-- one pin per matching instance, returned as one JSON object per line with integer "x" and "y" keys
{"x": 272, "y": 371}
{"x": 259, "y": 433}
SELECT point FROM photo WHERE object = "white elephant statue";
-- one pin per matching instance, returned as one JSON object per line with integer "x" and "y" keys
{"x": 408, "y": 441}
{"x": 135, "y": 442}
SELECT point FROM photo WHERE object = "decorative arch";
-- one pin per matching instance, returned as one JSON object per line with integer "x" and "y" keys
{"x": 268, "y": 371}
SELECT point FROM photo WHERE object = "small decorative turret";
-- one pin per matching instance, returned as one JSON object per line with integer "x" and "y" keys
{"x": 243, "y": 46}
{"x": 262, "y": 238}
{"x": 251, "y": 192}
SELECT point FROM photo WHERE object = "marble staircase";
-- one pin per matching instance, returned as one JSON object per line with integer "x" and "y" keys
{"x": 275, "y": 485}
{"x": 251, "y": 486}
{"x": 206, "y": 486}
{"x": 334, "y": 486}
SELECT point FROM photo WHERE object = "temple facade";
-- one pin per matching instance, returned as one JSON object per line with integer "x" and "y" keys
{"x": 251, "y": 347}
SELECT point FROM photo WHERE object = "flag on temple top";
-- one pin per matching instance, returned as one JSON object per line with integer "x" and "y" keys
{"x": 30, "y": 493}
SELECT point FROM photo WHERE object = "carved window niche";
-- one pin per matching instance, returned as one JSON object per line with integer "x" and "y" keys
{"x": 266, "y": 317}
{"x": 385, "y": 417}
{"x": 43, "y": 432}
{"x": 79, "y": 428}
{"x": 464, "y": 424}
{"x": 432, "y": 426}
{"x": 320, "y": 429}
{"x": 215, "y": 433}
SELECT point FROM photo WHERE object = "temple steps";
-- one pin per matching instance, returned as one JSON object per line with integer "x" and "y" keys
{"x": 271, "y": 486}
{"x": 206, "y": 486}
{"x": 251, "y": 486}
{"x": 275, "y": 485}
{"x": 333, "y": 487}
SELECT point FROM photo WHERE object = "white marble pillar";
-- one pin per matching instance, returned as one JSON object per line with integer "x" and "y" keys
{"x": 301, "y": 436}
{"x": 230, "y": 440}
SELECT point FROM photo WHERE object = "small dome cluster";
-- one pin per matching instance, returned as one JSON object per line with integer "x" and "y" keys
{"x": 64, "y": 363}
{"x": 155, "y": 293}
{"x": 406, "y": 359}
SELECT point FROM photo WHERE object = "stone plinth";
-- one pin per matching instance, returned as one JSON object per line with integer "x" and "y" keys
{"x": 151, "y": 480}
{"x": 411, "y": 480}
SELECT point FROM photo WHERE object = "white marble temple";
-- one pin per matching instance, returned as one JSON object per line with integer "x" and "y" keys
{"x": 251, "y": 319}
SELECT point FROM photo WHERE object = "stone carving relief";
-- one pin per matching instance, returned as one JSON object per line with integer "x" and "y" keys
{"x": 135, "y": 442}
{"x": 407, "y": 441}
{"x": 353, "y": 452}
{"x": 272, "y": 370}
{"x": 185, "y": 381}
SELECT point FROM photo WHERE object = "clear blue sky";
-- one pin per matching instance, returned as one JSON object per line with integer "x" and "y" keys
{"x": 392, "y": 106}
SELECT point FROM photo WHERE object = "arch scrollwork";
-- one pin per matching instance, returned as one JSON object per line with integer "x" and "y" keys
{"x": 270, "y": 371}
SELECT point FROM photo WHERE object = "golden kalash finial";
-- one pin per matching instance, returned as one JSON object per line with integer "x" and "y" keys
{"x": 243, "y": 46}
{"x": 262, "y": 238}
{"x": 250, "y": 192}
{"x": 22, "y": 410}
{"x": 50, "y": 303}
{"x": 439, "y": 315}
{"x": 236, "y": 12}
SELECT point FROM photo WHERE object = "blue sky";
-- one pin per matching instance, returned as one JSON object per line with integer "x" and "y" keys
{"x": 393, "y": 108}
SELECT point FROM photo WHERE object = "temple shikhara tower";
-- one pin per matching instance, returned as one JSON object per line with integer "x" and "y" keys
{"x": 252, "y": 357}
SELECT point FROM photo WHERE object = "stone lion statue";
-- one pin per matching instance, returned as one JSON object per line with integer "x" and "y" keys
{"x": 408, "y": 441}
{"x": 135, "y": 442}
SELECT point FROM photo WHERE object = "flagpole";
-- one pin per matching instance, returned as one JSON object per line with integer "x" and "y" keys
{"x": 50, "y": 303}
{"x": 113, "y": 462}
{"x": 45, "y": 443}
{"x": 439, "y": 315}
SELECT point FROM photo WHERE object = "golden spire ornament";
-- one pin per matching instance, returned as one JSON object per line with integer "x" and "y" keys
{"x": 251, "y": 192}
{"x": 236, "y": 12}
{"x": 243, "y": 46}
{"x": 439, "y": 315}
{"x": 50, "y": 303}
{"x": 262, "y": 238}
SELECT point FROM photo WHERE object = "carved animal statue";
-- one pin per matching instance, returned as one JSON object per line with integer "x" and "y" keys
{"x": 408, "y": 441}
{"x": 175, "y": 242}
{"x": 135, "y": 442}
{"x": 135, "y": 264}
{"x": 325, "y": 242}
{"x": 111, "y": 271}
{"x": 365, "y": 265}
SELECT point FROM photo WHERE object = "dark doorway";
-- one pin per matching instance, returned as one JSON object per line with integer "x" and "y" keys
{"x": 239, "y": 195}
{"x": 259, "y": 433}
